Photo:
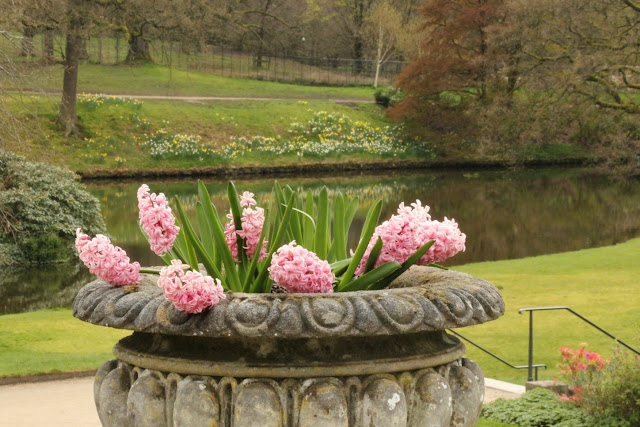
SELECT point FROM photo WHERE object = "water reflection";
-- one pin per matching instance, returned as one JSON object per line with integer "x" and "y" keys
{"x": 40, "y": 288}
{"x": 504, "y": 215}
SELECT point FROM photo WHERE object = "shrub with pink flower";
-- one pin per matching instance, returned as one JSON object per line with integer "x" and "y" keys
{"x": 252, "y": 221}
{"x": 108, "y": 262}
{"x": 300, "y": 271}
{"x": 157, "y": 220}
{"x": 403, "y": 234}
{"x": 579, "y": 365}
{"x": 579, "y": 369}
{"x": 189, "y": 291}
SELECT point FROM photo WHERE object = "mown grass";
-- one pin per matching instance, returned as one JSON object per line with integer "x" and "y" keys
{"x": 109, "y": 134}
{"x": 160, "y": 80}
{"x": 52, "y": 341}
{"x": 601, "y": 284}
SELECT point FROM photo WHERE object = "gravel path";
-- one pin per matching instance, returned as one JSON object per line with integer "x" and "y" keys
{"x": 69, "y": 402}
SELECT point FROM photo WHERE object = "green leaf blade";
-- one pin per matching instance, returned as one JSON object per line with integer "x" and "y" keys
{"x": 366, "y": 280}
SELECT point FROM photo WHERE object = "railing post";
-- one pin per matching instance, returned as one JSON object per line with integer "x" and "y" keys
{"x": 531, "y": 347}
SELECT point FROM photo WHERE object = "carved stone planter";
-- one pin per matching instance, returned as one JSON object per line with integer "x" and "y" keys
{"x": 375, "y": 358}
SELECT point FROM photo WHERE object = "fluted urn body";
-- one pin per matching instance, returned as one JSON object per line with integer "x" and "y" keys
{"x": 370, "y": 358}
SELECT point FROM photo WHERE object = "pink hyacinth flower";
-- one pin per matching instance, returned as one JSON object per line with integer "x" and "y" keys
{"x": 189, "y": 291}
{"x": 252, "y": 221}
{"x": 110, "y": 263}
{"x": 300, "y": 271}
{"x": 157, "y": 220}
{"x": 403, "y": 234}
{"x": 449, "y": 240}
{"x": 247, "y": 199}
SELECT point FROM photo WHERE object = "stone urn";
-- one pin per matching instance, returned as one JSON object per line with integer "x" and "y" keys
{"x": 368, "y": 358}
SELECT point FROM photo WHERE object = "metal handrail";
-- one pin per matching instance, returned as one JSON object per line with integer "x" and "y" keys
{"x": 539, "y": 365}
{"x": 562, "y": 307}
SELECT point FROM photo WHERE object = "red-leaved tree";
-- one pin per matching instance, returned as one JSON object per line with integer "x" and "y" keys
{"x": 456, "y": 63}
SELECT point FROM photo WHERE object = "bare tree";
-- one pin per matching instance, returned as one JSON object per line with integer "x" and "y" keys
{"x": 352, "y": 15}
{"x": 590, "y": 47}
{"x": 385, "y": 33}
{"x": 14, "y": 126}
{"x": 77, "y": 18}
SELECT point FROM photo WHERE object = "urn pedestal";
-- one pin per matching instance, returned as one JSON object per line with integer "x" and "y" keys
{"x": 372, "y": 358}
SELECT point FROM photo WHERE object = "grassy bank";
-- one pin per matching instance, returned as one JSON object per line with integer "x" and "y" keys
{"x": 601, "y": 284}
{"x": 117, "y": 133}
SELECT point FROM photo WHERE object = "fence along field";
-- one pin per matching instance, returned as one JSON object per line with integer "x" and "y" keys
{"x": 220, "y": 60}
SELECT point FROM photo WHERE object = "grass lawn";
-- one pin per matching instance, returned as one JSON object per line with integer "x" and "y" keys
{"x": 160, "y": 80}
{"x": 601, "y": 284}
{"x": 52, "y": 341}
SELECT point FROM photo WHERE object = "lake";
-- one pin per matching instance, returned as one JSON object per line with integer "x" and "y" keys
{"x": 505, "y": 215}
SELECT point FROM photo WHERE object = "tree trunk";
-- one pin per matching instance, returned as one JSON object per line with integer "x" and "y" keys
{"x": 117, "y": 48}
{"x": 70, "y": 79}
{"x": 257, "y": 59}
{"x": 48, "y": 47}
{"x": 358, "y": 48}
{"x": 138, "y": 49}
{"x": 26, "y": 46}
{"x": 83, "y": 53}
{"x": 100, "y": 49}
{"x": 379, "y": 55}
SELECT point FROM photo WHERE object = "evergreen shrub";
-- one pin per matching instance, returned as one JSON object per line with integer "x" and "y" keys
{"x": 40, "y": 208}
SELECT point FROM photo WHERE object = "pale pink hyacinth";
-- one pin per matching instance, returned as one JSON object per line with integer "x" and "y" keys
{"x": 157, "y": 220}
{"x": 300, "y": 271}
{"x": 252, "y": 221}
{"x": 449, "y": 240}
{"x": 403, "y": 234}
{"x": 189, "y": 291}
{"x": 110, "y": 263}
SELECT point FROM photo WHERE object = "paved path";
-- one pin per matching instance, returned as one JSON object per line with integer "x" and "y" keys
{"x": 66, "y": 403}
{"x": 69, "y": 403}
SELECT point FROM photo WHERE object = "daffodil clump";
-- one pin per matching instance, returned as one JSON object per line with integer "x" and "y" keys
{"x": 102, "y": 146}
{"x": 93, "y": 101}
{"x": 164, "y": 143}
{"x": 326, "y": 134}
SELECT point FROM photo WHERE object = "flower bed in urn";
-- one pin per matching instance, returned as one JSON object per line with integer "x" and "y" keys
{"x": 296, "y": 244}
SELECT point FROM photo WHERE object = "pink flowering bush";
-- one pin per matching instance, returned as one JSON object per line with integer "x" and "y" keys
{"x": 157, "y": 220}
{"x": 251, "y": 228}
{"x": 579, "y": 366}
{"x": 108, "y": 262}
{"x": 608, "y": 390}
{"x": 189, "y": 291}
{"x": 403, "y": 234}
{"x": 301, "y": 271}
